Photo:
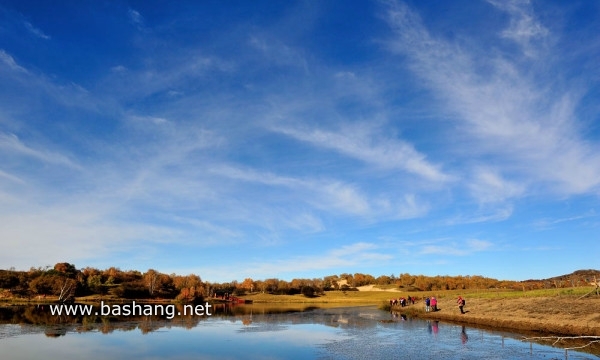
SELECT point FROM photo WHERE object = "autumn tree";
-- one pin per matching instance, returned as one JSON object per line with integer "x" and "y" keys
{"x": 406, "y": 280}
{"x": 330, "y": 282}
{"x": 271, "y": 285}
{"x": 94, "y": 283}
{"x": 317, "y": 284}
{"x": 67, "y": 269}
{"x": 247, "y": 284}
{"x": 157, "y": 283}
{"x": 284, "y": 287}
{"x": 42, "y": 285}
{"x": 298, "y": 283}
{"x": 363, "y": 279}
{"x": 189, "y": 287}
{"x": 349, "y": 279}
{"x": 61, "y": 286}
{"x": 261, "y": 285}
{"x": 8, "y": 279}
{"x": 383, "y": 280}
{"x": 187, "y": 281}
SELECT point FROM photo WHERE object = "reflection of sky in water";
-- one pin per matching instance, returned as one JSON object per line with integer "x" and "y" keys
{"x": 210, "y": 340}
{"x": 326, "y": 334}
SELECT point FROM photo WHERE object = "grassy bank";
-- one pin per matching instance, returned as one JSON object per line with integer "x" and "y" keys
{"x": 560, "y": 312}
{"x": 561, "y": 315}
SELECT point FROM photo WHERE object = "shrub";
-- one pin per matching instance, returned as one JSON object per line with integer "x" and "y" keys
{"x": 308, "y": 291}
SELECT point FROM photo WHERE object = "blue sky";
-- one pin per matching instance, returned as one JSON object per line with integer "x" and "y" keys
{"x": 301, "y": 139}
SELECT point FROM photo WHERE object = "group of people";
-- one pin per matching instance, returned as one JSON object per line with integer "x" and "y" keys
{"x": 430, "y": 304}
{"x": 402, "y": 301}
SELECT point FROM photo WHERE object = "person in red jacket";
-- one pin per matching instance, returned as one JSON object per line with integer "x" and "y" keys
{"x": 461, "y": 303}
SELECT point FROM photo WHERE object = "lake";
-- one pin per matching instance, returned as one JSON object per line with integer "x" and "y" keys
{"x": 258, "y": 332}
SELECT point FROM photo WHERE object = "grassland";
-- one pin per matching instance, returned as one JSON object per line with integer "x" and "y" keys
{"x": 383, "y": 294}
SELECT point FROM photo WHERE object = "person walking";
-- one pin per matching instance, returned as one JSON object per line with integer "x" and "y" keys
{"x": 427, "y": 307}
{"x": 433, "y": 303}
{"x": 461, "y": 304}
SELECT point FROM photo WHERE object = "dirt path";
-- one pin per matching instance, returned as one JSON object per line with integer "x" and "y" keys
{"x": 555, "y": 315}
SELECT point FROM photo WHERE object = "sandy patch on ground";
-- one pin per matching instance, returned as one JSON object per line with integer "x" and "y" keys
{"x": 367, "y": 287}
{"x": 373, "y": 288}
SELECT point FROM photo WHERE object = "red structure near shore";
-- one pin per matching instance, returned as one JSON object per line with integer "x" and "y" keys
{"x": 225, "y": 297}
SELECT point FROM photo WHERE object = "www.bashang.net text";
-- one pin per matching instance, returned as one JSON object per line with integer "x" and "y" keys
{"x": 133, "y": 309}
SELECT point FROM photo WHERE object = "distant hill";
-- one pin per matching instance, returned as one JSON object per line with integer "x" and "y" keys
{"x": 577, "y": 277}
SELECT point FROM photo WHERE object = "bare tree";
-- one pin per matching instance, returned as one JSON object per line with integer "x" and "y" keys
{"x": 151, "y": 278}
{"x": 66, "y": 290}
{"x": 557, "y": 339}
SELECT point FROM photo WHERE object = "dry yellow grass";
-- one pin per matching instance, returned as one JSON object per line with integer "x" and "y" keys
{"x": 564, "y": 315}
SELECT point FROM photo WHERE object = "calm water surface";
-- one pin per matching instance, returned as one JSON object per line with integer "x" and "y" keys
{"x": 253, "y": 332}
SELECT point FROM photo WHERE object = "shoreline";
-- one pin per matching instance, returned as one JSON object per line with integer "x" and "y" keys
{"x": 542, "y": 316}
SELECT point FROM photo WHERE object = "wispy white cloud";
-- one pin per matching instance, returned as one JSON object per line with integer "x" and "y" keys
{"x": 37, "y": 85}
{"x": 527, "y": 126}
{"x": 162, "y": 75}
{"x": 212, "y": 233}
{"x": 458, "y": 248}
{"x": 35, "y": 31}
{"x": 361, "y": 142}
{"x": 332, "y": 195}
{"x": 487, "y": 186}
{"x": 495, "y": 213}
{"x": 549, "y": 223}
{"x": 278, "y": 53}
{"x": 12, "y": 178}
{"x": 352, "y": 255}
{"x": 75, "y": 232}
{"x": 346, "y": 250}
{"x": 341, "y": 196}
{"x": 135, "y": 17}
{"x": 10, "y": 62}
{"x": 11, "y": 143}
{"x": 543, "y": 248}
{"x": 524, "y": 28}
{"x": 304, "y": 222}
{"x": 118, "y": 69}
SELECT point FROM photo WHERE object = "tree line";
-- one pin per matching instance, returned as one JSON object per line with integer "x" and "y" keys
{"x": 65, "y": 281}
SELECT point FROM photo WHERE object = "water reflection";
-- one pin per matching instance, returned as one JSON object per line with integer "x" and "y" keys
{"x": 57, "y": 325}
{"x": 257, "y": 331}
{"x": 463, "y": 335}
